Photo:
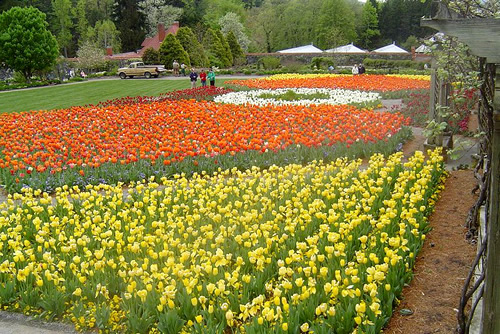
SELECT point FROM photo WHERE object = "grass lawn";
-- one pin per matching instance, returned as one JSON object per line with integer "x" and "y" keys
{"x": 89, "y": 92}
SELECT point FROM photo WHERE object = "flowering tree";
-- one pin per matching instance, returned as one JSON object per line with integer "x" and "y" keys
{"x": 156, "y": 11}
{"x": 90, "y": 56}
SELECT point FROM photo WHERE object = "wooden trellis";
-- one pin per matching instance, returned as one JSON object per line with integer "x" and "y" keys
{"x": 483, "y": 38}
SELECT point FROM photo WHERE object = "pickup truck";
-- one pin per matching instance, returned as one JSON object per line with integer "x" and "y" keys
{"x": 139, "y": 69}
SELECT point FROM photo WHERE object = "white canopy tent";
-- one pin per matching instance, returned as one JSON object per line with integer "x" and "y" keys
{"x": 423, "y": 49}
{"x": 302, "y": 49}
{"x": 349, "y": 48}
{"x": 391, "y": 48}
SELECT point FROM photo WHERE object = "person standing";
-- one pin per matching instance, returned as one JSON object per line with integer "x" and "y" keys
{"x": 361, "y": 69}
{"x": 183, "y": 69}
{"x": 203, "y": 78}
{"x": 175, "y": 66}
{"x": 193, "y": 76}
{"x": 355, "y": 69}
{"x": 211, "y": 77}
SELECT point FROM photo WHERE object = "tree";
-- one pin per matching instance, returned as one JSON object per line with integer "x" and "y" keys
{"x": 106, "y": 35}
{"x": 157, "y": 12}
{"x": 410, "y": 42}
{"x": 335, "y": 25}
{"x": 215, "y": 9}
{"x": 228, "y": 56}
{"x": 26, "y": 45}
{"x": 474, "y": 8}
{"x": 170, "y": 50}
{"x": 368, "y": 29}
{"x": 401, "y": 19}
{"x": 194, "y": 49}
{"x": 231, "y": 22}
{"x": 264, "y": 26}
{"x": 215, "y": 51}
{"x": 151, "y": 56}
{"x": 98, "y": 10}
{"x": 82, "y": 24}
{"x": 193, "y": 11}
{"x": 90, "y": 56}
{"x": 130, "y": 23}
{"x": 62, "y": 23}
{"x": 236, "y": 51}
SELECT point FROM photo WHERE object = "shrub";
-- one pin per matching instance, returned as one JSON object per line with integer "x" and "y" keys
{"x": 392, "y": 64}
{"x": 270, "y": 63}
{"x": 151, "y": 56}
{"x": 319, "y": 62}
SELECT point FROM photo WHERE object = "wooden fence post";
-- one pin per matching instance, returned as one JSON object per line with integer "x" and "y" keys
{"x": 491, "y": 298}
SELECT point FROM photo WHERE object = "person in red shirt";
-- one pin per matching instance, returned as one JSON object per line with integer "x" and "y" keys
{"x": 203, "y": 78}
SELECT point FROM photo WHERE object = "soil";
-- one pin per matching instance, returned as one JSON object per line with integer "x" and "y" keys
{"x": 442, "y": 265}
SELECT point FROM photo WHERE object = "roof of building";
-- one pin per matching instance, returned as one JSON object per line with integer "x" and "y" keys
{"x": 302, "y": 49}
{"x": 423, "y": 49}
{"x": 391, "y": 48}
{"x": 155, "y": 41}
{"x": 349, "y": 48}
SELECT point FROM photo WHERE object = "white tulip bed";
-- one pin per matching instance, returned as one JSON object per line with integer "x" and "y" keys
{"x": 335, "y": 96}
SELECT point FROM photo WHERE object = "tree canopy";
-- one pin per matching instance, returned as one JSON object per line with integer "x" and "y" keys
{"x": 258, "y": 25}
{"x": 26, "y": 45}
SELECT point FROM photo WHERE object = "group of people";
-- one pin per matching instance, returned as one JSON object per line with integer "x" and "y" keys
{"x": 193, "y": 76}
{"x": 204, "y": 76}
{"x": 358, "y": 69}
{"x": 176, "y": 66}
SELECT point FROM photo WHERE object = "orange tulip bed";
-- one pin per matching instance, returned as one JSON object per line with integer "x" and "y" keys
{"x": 129, "y": 142}
{"x": 379, "y": 83}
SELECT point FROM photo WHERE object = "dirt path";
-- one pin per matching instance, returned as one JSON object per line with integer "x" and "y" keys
{"x": 442, "y": 265}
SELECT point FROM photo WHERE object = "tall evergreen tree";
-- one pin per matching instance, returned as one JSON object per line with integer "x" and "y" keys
{"x": 170, "y": 50}
{"x": 82, "y": 24}
{"x": 227, "y": 50}
{"x": 130, "y": 23}
{"x": 194, "y": 48}
{"x": 236, "y": 51}
{"x": 215, "y": 51}
{"x": 62, "y": 23}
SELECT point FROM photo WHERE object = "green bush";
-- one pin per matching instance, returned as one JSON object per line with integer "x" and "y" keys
{"x": 270, "y": 63}
{"x": 321, "y": 62}
{"x": 392, "y": 64}
{"x": 151, "y": 56}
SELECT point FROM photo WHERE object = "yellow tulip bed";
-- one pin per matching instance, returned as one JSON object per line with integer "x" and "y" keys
{"x": 323, "y": 248}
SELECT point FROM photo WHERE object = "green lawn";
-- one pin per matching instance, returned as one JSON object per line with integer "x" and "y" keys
{"x": 82, "y": 93}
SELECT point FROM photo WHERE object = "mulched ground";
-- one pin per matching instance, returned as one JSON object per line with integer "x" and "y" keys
{"x": 442, "y": 265}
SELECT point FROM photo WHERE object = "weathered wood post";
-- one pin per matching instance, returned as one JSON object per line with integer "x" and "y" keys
{"x": 491, "y": 297}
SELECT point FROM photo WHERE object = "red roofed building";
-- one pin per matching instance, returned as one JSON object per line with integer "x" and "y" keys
{"x": 155, "y": 41}
{"x": 150, "y": 42}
